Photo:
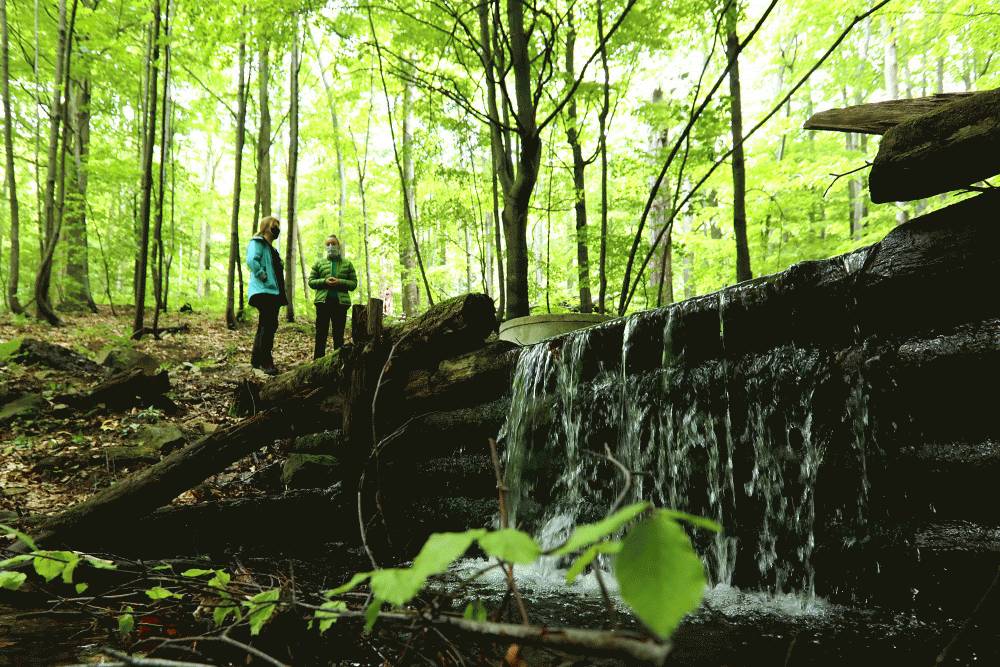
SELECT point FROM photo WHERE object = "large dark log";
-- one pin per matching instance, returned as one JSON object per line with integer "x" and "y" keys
{"x": 879, "y": 117}
{"x": 451, "y": 327}
{"x": 277, "y": 522}
{"x": 138, "y": 495}
{"x": 467, "y": 380}
{"x": 125, "y": 389}
{"x": 947, "y": 149}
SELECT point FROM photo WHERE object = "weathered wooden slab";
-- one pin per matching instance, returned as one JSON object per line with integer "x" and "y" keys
{"x": 879, "y": 117}
{"x": 948, "y": 149}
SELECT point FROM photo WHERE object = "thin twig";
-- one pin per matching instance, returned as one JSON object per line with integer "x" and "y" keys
{"x": 837, "y": 177}
{"x": 943, "y": 655}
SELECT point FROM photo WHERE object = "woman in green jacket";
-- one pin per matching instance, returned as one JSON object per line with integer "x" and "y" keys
{"x": 332, "y": 278}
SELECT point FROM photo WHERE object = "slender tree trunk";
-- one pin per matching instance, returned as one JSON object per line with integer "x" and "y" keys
{"x": 36, "y": 80}
{"x": 407, "y": 254}
{"x": 293, "y": 160}
{"x": 78, "y": 293}
{"x": 602, "y": 270}
{"x": 743, "y": 271}
{"x": 56, "y": 166}
{"x": 234, "y": 217}
{"x": 263, "y": 137}
{"x": 8, "y": 142}
{"x": 165, "y": 135}
{"x": 138, "y": 323}
{"x": 362, "y": 168}
{"x": 335, "y": 121}
{"x": 579, "y": 184}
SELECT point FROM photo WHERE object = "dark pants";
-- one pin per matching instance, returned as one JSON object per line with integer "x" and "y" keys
{"x": 328, "y": 314}
{"x": 267, "y": 306}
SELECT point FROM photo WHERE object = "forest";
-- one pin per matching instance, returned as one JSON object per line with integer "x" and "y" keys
{"x": 776, "y": 216}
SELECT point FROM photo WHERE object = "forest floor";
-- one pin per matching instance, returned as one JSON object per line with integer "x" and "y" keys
{"x": 55, "y": 456}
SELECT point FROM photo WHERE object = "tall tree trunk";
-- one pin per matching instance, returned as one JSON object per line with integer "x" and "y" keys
{"x": 743, "y": 271}
{"x": 165, "y": 136}
{"x": 8, "y": 142}
{"x": 78, "y": 293}
{"x": 234, "y": 217}
{"x": 335, "y": 121}
{"x": 293, "y": 160}
{"x": 263, "y": 136}
{"x": 518, "y": 185}
{"x": 56, "y": 164}
{"x": 36, "y": 80}
{"x": 138, "y": 323}
{"x": 407, "y": 254}
{"x": 579, "y": 184}
{"x": 602, "y": 269}
{"x": 361, "y": 163}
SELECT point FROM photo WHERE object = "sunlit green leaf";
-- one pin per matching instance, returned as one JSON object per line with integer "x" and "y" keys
{"x": 354, "y": 582}
{"x": 195, "y": 572}
{"x": 694, "y": 520}
{"x": 659, "y": 574}
{"x": 442, "y": 549}
{"x": 126, "y": 623}
{"x": 12, "y": 580}
{"x": 161, "y": 593}
{"x": 397, "y": 586}
{"x": 260, "y": 608}
{"x": 511, "y": 545}
{"x": 587, "y": 534}
{"x": 587, "y": 557}
{"x": 328, "y": 613}
{"x": 371, "y": 614}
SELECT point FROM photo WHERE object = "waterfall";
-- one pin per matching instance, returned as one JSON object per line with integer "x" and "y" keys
{"x": 705, "y": 431}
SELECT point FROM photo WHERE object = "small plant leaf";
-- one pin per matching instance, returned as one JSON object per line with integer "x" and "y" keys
{"x": 126, "y": 623}
{"x": 12, "y": 580}
{"x": 196, "y": 572}
{"x": 511, "y": 545}
{"x": 587, "y": 534}
{"x": 659, "y": 574}
{"x": 396, "y": 585}
{"x": 588, "y": 556}
{"x": 355, "y": 581}
{"x": 261, "y": 608}
{"x": 442, "y": 549}
{"x": 23, "y": 537}
{"x": 328, "y": 613}
{"x": 161, "y": 593}
{"x": 371, "y": 614}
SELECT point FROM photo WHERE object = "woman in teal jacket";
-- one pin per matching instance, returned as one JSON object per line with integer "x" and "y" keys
{"x": 267, "y": 291}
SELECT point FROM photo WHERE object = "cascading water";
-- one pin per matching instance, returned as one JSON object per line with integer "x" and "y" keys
{"x": 684, "y": 423}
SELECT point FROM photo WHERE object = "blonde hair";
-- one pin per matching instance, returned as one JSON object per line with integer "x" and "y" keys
{"x": 266, "y": 223}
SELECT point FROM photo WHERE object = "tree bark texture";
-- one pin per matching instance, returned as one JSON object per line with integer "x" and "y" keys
{"x": 579, "y": 184}
{"x": 8, "y": 139}
{"x": 293, "y": 160}
{"x": 149, "y": 140}
{"x": 743, "y": 271}
{"x": 234, "y": 217}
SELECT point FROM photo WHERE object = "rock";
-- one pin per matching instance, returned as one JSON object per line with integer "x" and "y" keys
{"x": 28, "y": 405}
{"x": 162, "y": 438}
{"x": 31, "y": 351}
{"x": 324, "y": 442}
{"x": 120, "y": 359}
{"x": 8, "y": 518}
{"x": 128, "y": 455}
{"x": 309, "y": 471}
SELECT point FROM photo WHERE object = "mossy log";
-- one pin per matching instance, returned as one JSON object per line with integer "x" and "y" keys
{"x": 947, "y": 149}
{"x": 451, "y": 327}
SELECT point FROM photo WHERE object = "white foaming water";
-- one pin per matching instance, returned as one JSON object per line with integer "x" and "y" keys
{"x": 542, "y": 582}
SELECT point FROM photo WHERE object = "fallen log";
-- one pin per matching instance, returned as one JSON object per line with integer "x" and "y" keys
{"x": 137, "y": 495}
{"x": 451, "y": 327}
{"x": 879, "y": 117}
{"x": 471, "y": 379}
{"x": 32, "y": 351}
{"x": 275, "y": 522}
{"x": 125, "y": 389}
{"x": 948, "y": 149}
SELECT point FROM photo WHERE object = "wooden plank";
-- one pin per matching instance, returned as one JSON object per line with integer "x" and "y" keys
{"x": 879, "y": 117}
{"x": 948, "y": 149}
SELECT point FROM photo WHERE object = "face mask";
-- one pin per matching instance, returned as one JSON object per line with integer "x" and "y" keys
{"x": 275, "y": 232}
{"x": 333, "y": 252}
